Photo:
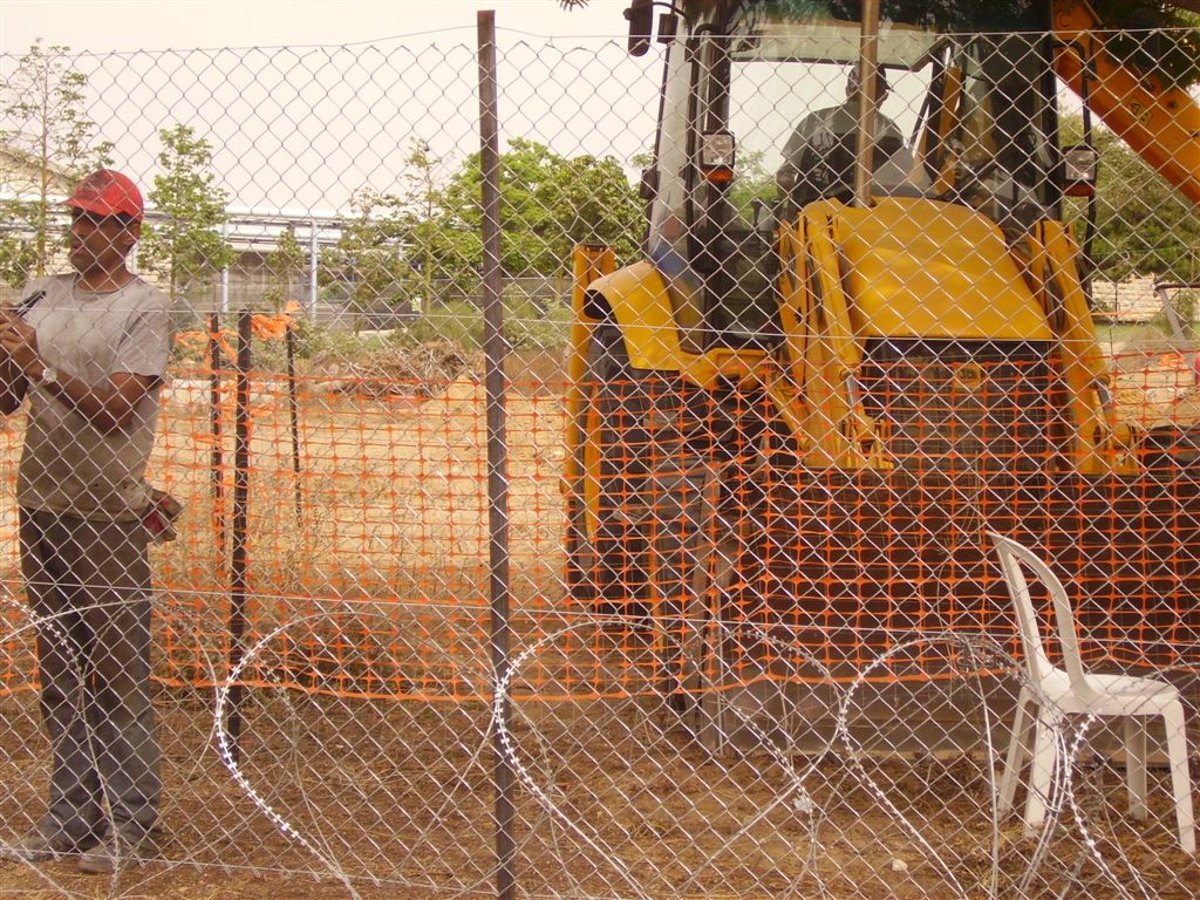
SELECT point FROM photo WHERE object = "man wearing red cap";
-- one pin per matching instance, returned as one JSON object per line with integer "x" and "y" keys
{"x": 90, "y": 350}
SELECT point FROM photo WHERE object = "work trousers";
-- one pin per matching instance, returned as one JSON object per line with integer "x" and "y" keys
{"x": 88, "y": 583}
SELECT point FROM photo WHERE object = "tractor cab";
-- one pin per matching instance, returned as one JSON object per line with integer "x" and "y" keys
{"x": 764, "y": 110}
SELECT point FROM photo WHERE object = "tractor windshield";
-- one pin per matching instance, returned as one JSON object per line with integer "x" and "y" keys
{"x": 961, "y": 115}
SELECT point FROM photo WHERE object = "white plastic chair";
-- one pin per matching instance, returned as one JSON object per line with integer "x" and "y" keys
{"x": 1052, "y": 694}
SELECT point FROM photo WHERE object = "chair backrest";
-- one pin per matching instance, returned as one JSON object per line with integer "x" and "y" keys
{"x": 1012, "y": 557}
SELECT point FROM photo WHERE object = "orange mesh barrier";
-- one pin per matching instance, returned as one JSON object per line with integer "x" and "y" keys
{"x": 388, "y": 512}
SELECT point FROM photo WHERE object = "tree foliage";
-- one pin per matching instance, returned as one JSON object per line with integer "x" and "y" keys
{"x": 1144, "y": 225}
{"x": 548, "y": 204}
{"x": 423, "y": 201}
{"x": 369, "y": 256}
{"x": 393, "y": 252}
{"x": 184, "y": 244}
{"x": 286, "y": 265}
{"x": 45, "y": 127}
{"x": 412, "y": 244}
{"x": 753, "y": 182}
{"x": 1162, "y": 39}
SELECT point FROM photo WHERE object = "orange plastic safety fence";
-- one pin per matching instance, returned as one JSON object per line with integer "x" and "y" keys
{"x": 706, "y": 510}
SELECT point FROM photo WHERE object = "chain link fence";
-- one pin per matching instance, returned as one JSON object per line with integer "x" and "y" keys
{"x": 685, "y": 586}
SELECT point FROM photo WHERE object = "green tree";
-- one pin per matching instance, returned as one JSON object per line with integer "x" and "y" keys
{"x": 1143, "y": 224}
{"x": 592, "y": 202}
{"x": 1162, "y": 40}
{"x": 548, "y": 203}
{"x": 185, "y": 245}
{"x": 753, "y": 182}
{"x": 368, "y": 260}
{"x": 46, "y": 128}
{"x": 286, "y": 265}
{"x": 422, "y": 219}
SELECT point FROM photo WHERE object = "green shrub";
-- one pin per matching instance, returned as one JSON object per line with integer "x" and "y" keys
{"x": 1185, "y": 303}
{"x": 461, "y": 322}
{"x": 314, "y": 340}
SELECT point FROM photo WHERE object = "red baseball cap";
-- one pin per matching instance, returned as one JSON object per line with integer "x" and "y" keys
{"x": 108, "y": 193}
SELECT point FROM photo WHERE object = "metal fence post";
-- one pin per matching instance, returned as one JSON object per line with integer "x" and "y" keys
{"x": 224, "y": 298}
{"x": 216, "y": 428}
{"x": 497, "y": 451}
{"x": 294, "y": 421}
{"x": 313, "y": 263}
{"x": 241, "y": 496}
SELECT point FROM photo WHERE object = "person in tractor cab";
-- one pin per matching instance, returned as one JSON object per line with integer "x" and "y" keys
{"x": 818, "y": 159}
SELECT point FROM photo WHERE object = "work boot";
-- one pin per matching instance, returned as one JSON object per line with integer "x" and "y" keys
{"x": 116, "y": 852}
{"x": 36, "y": 847}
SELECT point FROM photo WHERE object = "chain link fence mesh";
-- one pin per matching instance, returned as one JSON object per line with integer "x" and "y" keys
{"x": 758, "y": 641}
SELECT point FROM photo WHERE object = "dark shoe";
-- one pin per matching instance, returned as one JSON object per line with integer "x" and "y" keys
{"x": 116, "y": 853}
{"x": 36, "y": 847}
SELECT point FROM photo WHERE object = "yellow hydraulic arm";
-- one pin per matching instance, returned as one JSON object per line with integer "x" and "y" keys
{"x": 1160, "y": 123}
{"x": 582, "y": 476}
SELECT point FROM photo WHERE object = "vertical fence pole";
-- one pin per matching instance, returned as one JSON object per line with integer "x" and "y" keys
{"x": 868, "y": 101}
{"x": 224, "y": 307}
{"x": 494, "y": 352}
{"x": 241, "y": 496}
{"x": 216, "y": 429}
{"x": 313, "y": 250}
{"x": 294, "y": 415}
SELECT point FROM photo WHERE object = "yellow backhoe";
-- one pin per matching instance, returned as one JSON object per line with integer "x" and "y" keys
{"x": 858, "y": 334}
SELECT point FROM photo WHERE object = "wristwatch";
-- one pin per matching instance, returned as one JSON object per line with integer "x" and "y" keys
{"x": 49, "y": 376}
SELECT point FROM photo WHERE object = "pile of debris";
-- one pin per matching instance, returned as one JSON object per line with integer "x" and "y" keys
{"x": 423, "y": 370}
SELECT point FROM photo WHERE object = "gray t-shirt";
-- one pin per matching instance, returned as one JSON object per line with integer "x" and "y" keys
{"x": 821, "y": 131}
{"x": 68, "y": 466}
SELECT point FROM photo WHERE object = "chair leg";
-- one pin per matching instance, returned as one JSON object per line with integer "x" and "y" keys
{"x": 1135, "y": 765}
{"x": 1180, "y": 782}
{"x": 1018, "y": 750}
{"x": 1042, "y": 770}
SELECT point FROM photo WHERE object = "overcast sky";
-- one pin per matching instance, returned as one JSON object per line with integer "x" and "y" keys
{"x": 307, "y": 103}
{"x": 177, "y": 24}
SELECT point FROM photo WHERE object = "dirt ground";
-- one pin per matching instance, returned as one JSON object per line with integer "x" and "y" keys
{"x": 614, "y": 797}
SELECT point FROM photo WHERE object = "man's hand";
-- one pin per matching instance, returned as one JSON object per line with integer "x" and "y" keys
{"x": 18, "y": 344}
{"x": 107, "y": 406}
{"x": 8, "y": 316}
{"x": 12, "y": 379}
